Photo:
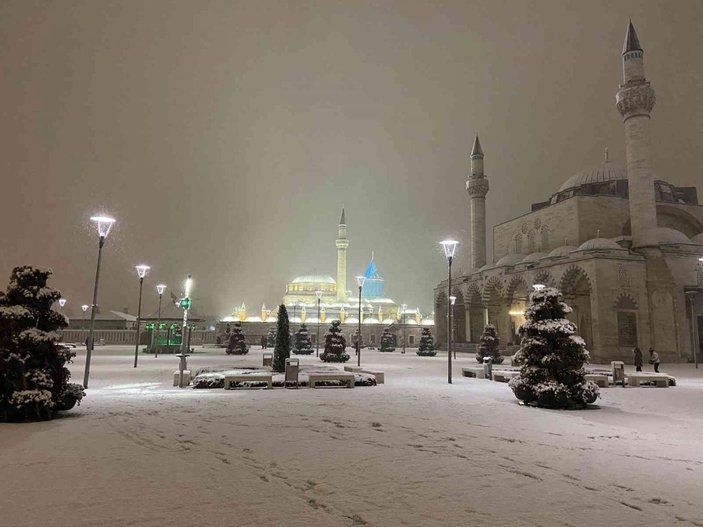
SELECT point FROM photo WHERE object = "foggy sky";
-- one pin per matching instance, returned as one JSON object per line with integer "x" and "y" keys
{"x": 226, "y": 136}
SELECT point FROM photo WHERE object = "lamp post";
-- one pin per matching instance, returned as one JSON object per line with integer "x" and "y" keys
{"x": 104, "y": 225}
{"x": 449, "y": 247}
{"x": 185, "y": 304}
{"x": 452, "y": 301}
{"x": 160, "y": 288}
{"x": 141, "y": 273}
{"x": 360, "y": 282}
{"x": 294, "y": 303}
{"x": 403, "y": 307}
{"x": 318, "y": 294}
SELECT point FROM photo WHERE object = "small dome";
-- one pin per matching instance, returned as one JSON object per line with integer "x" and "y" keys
{"x": 509, "y": 259}
{"x": 371, "y": 320}
{"x": 389, "y": 321}
{"x": 313, "y": 279}
{"x": 600, "y": 244}
{"x": 561, "y": 252}
{"x": 272, "y": 319}
{"x": 607, "y": 171}
{"x": 666, "y": 236}
{"x": 534, "y": 257}
{"x": 698, "y": 238}
{"x": 351, "y": 320}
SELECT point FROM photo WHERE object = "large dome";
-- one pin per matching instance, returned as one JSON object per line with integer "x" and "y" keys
{"x": 313, "y": 279}
{"x": 606, "y": 171}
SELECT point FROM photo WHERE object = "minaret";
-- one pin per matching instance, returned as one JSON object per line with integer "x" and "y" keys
{"x": 635, "y": 100}
{"x": 477, "y": 187}
{"x": 342, "y": 244}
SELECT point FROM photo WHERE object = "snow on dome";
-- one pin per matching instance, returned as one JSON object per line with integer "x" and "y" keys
{"x": 272, "y": 319}
{"x": 252, "y": 319}
{"x": 561, "y": 252}
{"x": 698, "y": 238}
{"x": 534, "y": 257}
{"x": 389, "y": 321}
{"x": 351, "y": 320}
{"x": 371, "y": 320}
{"x": 607, "y": 171}
{"x": 665, "y": 236}
{"x": 509, "y": 259}
{"x": 599, "y": 244}
{"x": 313, "y": 279}
{"x": 228, "y": 319}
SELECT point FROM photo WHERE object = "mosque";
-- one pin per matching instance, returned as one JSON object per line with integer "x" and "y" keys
{"x": 622, "y": 244}
{"x": 336, "y": 302}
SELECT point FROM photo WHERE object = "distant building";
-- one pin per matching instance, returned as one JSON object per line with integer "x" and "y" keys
{"x": 621, "y": 243}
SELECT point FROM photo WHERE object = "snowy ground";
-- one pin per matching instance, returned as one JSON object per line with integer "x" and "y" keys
{"x": 414, "y": 451}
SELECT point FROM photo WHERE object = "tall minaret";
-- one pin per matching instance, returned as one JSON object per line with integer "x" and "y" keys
{"x": 635, "y": 100}
{"x": 342, "y": 244}
{"x": 477, "y": 187}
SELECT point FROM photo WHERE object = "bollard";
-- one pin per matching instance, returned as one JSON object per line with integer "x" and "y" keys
{"x": 182, "y": 366}
{"x": 488, "y": 368}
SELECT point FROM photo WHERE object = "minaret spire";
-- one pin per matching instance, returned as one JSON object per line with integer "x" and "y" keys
{"x": 477, "y": 187}
{"x": 342, "y": 243}
{"x": 635, "y": 100}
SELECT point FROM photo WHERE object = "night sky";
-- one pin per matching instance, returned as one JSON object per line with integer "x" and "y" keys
{"x": 226, "y": 136}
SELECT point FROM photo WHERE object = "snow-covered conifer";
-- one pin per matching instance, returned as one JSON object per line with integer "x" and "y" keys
{"x": 552, "y": 356}
{"x": 237, "y": 344}
{"x": 488, "y": 345}
{"x": 335, "y": 344}
{"x": 426, "y": 348}
{"x": 303, "y": 342}
{"x": 281, "y": 350}
{"x": 387, "y": 340}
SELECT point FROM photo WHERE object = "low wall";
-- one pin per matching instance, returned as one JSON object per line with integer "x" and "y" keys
{"x": 198, "y": 337}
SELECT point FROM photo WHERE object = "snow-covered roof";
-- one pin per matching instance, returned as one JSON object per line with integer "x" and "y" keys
{"x": 607, "y": 171}
{"x": 600, "y": 244}
{"x": 561, "y": 252}
{"x": 313, "y": 279}
{"x": 427, "y": 322}
{"x": 371, "y": 320}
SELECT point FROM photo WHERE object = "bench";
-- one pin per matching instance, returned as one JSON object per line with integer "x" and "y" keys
{"x": 177, "y": 377}
{"x": 314, "y": 378}
{"x": 660, "y": 380}
{"x": 242, "y": 377}
{"x": 379, "y": 375}
{"x": 601, "y": 380}
{"x": 475, "y": 372}
{"x": 504, "y": 376}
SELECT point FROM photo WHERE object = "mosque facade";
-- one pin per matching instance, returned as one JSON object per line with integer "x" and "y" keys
{"x": 622, "y": 244}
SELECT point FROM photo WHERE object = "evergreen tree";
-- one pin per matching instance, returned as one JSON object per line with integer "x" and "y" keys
{"x": 387, "y": 340}
{"x": 426, "y": 348}
{"x": 237, "y": 344}
{"x": 303, "y": 342}
{"x": 33, "y": 376}
{"x": 271, "y": 337}
{"x": 281, "y": 350}
{"x": 488, "y": 345}
{"x": 335, "y": 344}
{"x": 552, "y": 356}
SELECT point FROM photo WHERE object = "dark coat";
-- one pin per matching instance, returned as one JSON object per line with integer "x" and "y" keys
{"x": 638, "y": 357}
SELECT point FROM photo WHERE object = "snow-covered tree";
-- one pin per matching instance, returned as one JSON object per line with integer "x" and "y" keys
{"x": 237, "y": 344}
{"x": 426, "y": 348}
{"x": 303, "y": 342}
{"x": 488, "y": 345}
{"x": 271, "y": 337}
{"x": 552, "y": 356}
{"x": 281, "y": 349}
{"x": 33, "y": 374}
{"x": 387, "y": 340}
{"x": 335, "y": 344}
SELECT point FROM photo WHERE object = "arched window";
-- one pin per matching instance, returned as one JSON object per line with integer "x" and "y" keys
{"x": 626, "y": 314}
{"x": 530, "y": 242}
{"x": 544, "y": 244}
{"x": 517, "y": 246}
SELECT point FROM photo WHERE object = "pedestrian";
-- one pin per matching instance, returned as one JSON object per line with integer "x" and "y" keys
{"x": 263, "y": 342}
{"x": 654, "y": 359}
{"x": 638, "y": 359}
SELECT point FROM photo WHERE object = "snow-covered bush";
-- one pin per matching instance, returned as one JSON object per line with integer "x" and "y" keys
{"x": 281, "y": 350}
{"x": 303, "y": 342}
{"x": 335, "y": 345}
{"x": 271, "y": 337}
{"x": 387, "y": 340}
{"x": 33, "y": 376}
{"x": 552, "y": 356}
{"x": 488, "y": 345}
{"x": 426, "y": 348}
{"x": 237, "y": 344}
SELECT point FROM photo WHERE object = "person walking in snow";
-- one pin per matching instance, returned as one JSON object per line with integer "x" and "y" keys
{"x": 263, "y": 342}
{"x": 638, "y": 358}
{"x": 654, "y": 359}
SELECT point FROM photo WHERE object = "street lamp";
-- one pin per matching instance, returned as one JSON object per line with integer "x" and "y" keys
{"x": 449, "y": 247}
{"x": 318, "y": 294}
{"x": 85, "y": 307}
{"x": 538, "y": 287}
{"x": 104, "y": 225}
{"x": 141, "y": 273}
{"x": 360, "y": 282}
{"x": 403, "y": 308}
{"x": 62, "y": 302}
{"x": 160, "y": 288}
{"x": 186, "y": 302}
{"x": 452, "y": 300}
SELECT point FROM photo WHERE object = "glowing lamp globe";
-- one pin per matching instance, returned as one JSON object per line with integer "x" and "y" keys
{"x": 449, "y": 247}
{"x": 85, "y": 307}
{"x": 452, "y": 299}
{"x": 142, "y": 270}
{"x": 62, "y": 302}
{"x": 360, "y": 280}
{"x": 160, "y": 289}
{"x": 103, "y": 224}
{"x": 318, "y": 294}
{"x": 538, "y": 287}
